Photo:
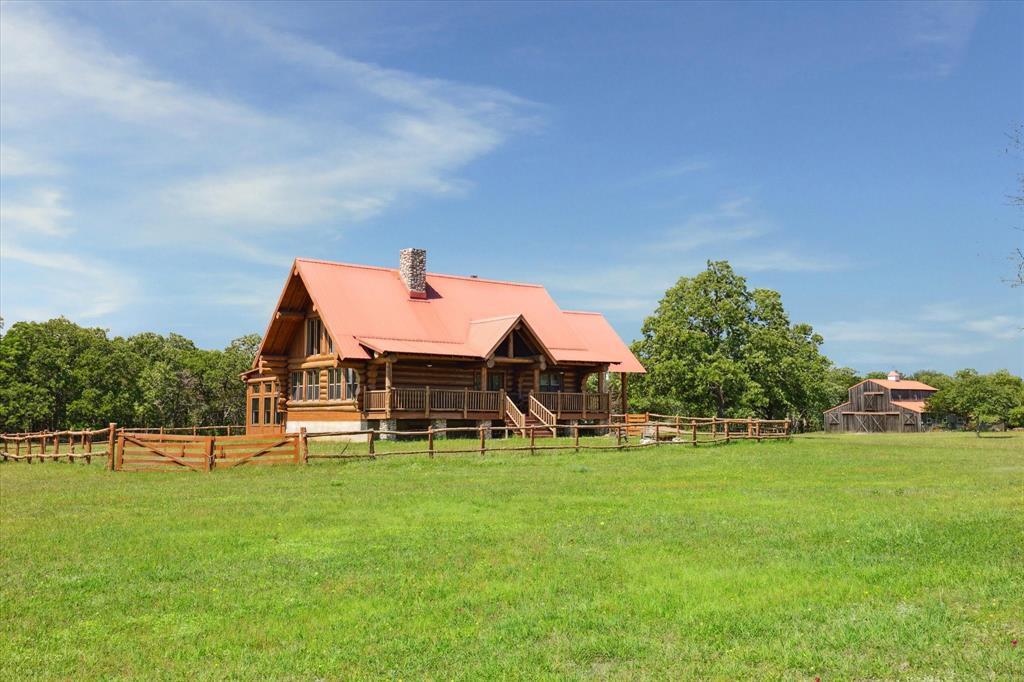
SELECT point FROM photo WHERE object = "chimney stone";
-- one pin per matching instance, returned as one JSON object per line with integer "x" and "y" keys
{"x": 412, "y": 267}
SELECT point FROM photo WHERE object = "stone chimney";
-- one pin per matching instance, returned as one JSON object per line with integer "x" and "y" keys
{"x": 412, "y": 267}
{"x": 895, "y": 376}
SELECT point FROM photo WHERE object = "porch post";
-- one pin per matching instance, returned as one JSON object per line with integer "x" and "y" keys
{"x": 387, "y": 387}
{"x": 623, "y": 392}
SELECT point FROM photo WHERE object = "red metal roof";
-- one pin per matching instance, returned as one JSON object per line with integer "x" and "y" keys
{"x": 912, "y": 405}
{"x": 903, "y": 383}
{"x": 369, "y": 307}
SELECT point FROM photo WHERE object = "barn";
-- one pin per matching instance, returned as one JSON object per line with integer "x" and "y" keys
{"x": 890, "y": 405}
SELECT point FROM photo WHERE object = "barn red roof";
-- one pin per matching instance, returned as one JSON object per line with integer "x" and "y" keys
{"x": 366, "y": 307}
{"x": 912, "y": 405}
{"x": 904, "y": 384}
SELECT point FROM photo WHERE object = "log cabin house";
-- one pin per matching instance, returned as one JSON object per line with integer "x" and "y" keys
{"x": 351, "y": 347}
{"x": 886, "y": 405}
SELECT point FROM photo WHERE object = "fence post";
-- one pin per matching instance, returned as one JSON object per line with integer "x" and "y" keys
{"x": 193, "y": 429}
{"x": 430, "y": 435}
{"x": 369, "y": 443}
{"x": 211, "y": 454}
{"x": 110, "y": 445}
{"x": 304, "y": 445}
{"x": 750, "y": 427}
{"x": 728, "y": 435}
{"x": 786, "y": 432}
{"x": 757, "y": 429}
{"x": 678, "y": 432}
{"x": 693, "y": 432}
{"x": 618, "y": 436}
{"x": 533, "y": 430}
{"x": 56, "y": 448}
{"x": 88, "y": 448}
{"x": 17, "y": 449}
{"x": 576, "y": 436}
{"x": 483, "y": 446}
{"x": 657, "y": 433}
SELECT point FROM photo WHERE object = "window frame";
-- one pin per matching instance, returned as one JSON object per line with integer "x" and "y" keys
{"x": 297, "y": 387}
{"x": 314, "y": 335}
{"x": 350, "y": 377}
{"x": 312, "y": 384}
{"x": 334, "y": 383}
{"x": 541, "y": 388}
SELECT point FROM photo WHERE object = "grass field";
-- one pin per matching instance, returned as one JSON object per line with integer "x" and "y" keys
{"x": 844, "y": 557}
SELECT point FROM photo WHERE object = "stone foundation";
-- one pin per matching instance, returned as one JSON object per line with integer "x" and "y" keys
{"x": 439, "y": 424}
{"x": 388, "y": 425}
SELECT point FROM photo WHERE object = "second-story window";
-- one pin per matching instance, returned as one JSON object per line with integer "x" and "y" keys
{"x": 296, "y": 386}
{"x": 313, "y": 331}
{"x": 312, "y": 384}
{"x": 351, "y": 383}
{"x": 330, "y": 342}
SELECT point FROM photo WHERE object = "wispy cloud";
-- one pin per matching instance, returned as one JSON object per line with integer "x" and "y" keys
{"x": 672, "y": 171}
{"x": 938, "y": 333}
{"x": 97, "y": 288}
{"x": 39, "y": 212}
{"x": 188, "y": 168}
{"x": 937, "y": 35}
{"x": 734, "y": 230}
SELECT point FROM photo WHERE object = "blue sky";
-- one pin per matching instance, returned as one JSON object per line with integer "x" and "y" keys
{"x": 162, "y": 164}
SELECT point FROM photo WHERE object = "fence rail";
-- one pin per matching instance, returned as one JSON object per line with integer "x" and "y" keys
{"x": 130, "y": 450}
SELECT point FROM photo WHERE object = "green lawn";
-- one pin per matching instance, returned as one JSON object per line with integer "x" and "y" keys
{"x": 844, "y": 557}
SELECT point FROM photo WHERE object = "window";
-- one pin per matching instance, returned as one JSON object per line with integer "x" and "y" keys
{"x": 254, "y": 418}
{"x": 313, "y": 331}
{"x": 312, "y": 384}
{"x": 278, "y": 417}
{"x": 296, "y": 381}
{"x": 495, "y": 381}
{"x": 334, "y": 384}
{"x": 256, "y": 388}
{"x": 266, "y": 411}
{"x": 550, "y": 382}
{"x": 330, "y": 343}
{"x": 351, "y": 383}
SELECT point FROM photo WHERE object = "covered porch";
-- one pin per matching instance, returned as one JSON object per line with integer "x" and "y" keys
{"x": 428, "y": 402}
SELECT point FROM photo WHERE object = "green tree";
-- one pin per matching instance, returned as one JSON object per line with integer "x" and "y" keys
{"x": 715, "y": 347}
{"x": 56, "y": 375}
{"x": 980, "y": 398}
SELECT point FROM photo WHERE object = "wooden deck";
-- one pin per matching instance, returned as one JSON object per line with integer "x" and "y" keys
{"x": 446, "y": 403}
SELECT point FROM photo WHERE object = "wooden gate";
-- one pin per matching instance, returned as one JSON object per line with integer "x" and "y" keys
{"x": 269, "y": 448}
{"x": 159, "y": 452}
{"x": 634, "y": 424}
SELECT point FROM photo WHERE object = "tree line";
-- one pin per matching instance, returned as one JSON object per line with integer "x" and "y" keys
{"x": 716, "y": 347}
{"x": 59, "y": 375}
{"x": 713, "y": 346}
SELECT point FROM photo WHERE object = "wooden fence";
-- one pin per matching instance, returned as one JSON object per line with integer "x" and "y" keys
{"x": 135, "y": 450}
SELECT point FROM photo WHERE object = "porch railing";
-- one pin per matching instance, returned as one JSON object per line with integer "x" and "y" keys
{"x": 542, "y": 414}
{"x": 427, "y": 400}
{"x": 575, "y": 403}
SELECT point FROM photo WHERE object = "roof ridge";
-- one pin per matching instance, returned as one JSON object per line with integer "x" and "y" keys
{"x": 468, "y": 278}
{"x": 583, "y": 312}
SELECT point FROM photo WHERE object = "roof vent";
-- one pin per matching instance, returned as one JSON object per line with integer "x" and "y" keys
{"x": 895, "y": 376}
{"x": 412, "y": 268}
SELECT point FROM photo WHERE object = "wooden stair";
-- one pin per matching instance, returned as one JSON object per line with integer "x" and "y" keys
{"x": 542, "y": 430}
